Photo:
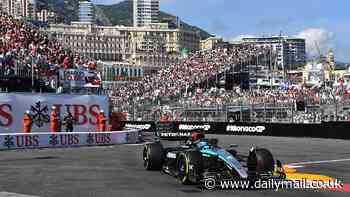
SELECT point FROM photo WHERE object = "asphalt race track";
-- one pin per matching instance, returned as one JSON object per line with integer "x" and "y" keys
{"x": 118, "y": 170}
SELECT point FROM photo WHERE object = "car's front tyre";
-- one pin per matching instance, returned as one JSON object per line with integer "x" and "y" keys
{"x": 189, "y": 168}
{"x": 153, "y": 156}
{"x": 260, "y": 160}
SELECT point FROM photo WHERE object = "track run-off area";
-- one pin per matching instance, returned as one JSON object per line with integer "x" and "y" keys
{"x": 118, "y": 170}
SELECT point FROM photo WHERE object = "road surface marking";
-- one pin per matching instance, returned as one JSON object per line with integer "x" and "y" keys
{"x": 138, "y": 144}
{"x": 293, "y": 166}
{"x": 8, "y": 194}
{"x": 318, "y": 162}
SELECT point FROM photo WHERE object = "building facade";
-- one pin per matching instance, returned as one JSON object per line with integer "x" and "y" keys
{"x": 213, "y": 43}
{"x": 6, "y": 6}
{"x": 28, "y": 9}
{"x": 119, "y": 71}
{"x": 290, "y": 52}
{"x": 19, "y": 8}
{"x": 3, "y": 6}
{"x": 140, "y": 46}
{"x": 86, "y": 12}
{"x": 145, "y": 12}
{"x": 330, "y": 58}
{"x": 46, "y": 16}
{"x": 10, "y": 7}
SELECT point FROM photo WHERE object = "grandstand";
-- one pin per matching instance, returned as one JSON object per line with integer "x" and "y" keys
{"x": 198, "y": 88}
{"x": 31, "y": 61}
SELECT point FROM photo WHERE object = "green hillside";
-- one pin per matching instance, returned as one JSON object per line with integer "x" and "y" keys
{"x": 116, "y": 14}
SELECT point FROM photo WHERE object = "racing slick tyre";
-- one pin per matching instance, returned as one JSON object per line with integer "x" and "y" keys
{"x": 189, "y": 167}
{"x": 153, "y": 156}
{"x": 260, "y": 161}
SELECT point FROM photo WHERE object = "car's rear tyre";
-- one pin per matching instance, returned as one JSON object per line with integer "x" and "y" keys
{"x": 153, "y": 156}
{"x": 189, "y": 167}
{"x": 260, "y": 161}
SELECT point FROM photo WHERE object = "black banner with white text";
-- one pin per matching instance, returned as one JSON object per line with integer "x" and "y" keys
{"x": 336, "y": 130}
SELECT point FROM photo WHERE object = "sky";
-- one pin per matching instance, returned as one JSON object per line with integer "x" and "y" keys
{"x": 324, "y": 22}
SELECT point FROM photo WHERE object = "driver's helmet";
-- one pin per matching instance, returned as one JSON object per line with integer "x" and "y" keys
{"x": 197, "y": 136}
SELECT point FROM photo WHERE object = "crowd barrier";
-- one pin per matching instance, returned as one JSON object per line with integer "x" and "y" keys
{"x": 65, "y": 140}
{"x": 336, "y": 130}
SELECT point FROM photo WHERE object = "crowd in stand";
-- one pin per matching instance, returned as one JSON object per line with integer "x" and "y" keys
{"x": 215, "y": 97}
{"x": 22, "y": 46}
{"x": 220, "y": 97}
{"x": 278, "y": 104}
{"x": 179, "y": 84}
{"x": 173, "y": 81}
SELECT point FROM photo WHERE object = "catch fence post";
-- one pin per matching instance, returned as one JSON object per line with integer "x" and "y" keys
{"x": 292, "y": 114}
{"x": 241, "y": 113}
{"x": 264, "y": 112}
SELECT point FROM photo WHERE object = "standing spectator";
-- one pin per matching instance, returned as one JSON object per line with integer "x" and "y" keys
{"x": 54, "y": 120}
{"x": 68, "y": 122}
{"x": 101, "y": 120}
{"x": 27, "y": 122}
{"x": 59, "y": 121}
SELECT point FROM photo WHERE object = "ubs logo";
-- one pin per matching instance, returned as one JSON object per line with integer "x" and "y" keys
{"x": 40, "y": 114}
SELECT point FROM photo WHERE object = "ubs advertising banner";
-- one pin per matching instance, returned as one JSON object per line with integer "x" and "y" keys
{"x": 65, "y": 140}
{"x": 84, "y": 108}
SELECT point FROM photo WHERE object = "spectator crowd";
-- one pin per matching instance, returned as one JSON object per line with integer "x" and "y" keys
{"x": 23, "y": 46}
{"x": 220, "y": 97}
{"x": 174, "y": 81}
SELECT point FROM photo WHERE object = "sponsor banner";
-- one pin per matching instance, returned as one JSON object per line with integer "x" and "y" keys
{"x": 245, "y": 129}
{"x": 139, "y": 126}
{"x": 183, "y": 129}
{"x": 84, "y": 108}
{"x": 173, "y": 131}
{"x": 72, "y": 78}
{"x": 191, "y": 127}
{"x": 146, "y": 126}
{"x": 223, "y": 128}
{"x": 65, "y": 140}
{"x": 336, "y": 130}
{"x": 75, "y": 78}
{"x": 175, "y": 135}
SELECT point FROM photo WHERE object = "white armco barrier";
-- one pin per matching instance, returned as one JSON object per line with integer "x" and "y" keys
{"x": 64, "y": 140}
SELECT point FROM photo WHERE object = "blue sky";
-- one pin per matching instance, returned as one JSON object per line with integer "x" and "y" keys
{"x": 318, "y": 21}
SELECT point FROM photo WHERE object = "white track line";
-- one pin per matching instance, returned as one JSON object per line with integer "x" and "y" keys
{"x": 294, "y": 166}
{"x": 318, "y": 162}
{"x": 140, "y": 144}
{"x": 7, "y": 194}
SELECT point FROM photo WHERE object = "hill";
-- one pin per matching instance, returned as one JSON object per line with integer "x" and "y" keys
{"x": 67, "y": 10}
{"x": 116, "y": 14}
